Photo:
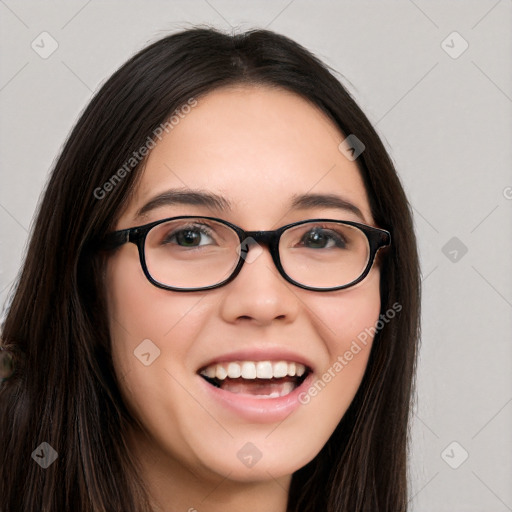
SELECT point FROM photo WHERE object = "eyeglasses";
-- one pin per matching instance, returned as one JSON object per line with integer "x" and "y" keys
{"x": 191, "y": 253}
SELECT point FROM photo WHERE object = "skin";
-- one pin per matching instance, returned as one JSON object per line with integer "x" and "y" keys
{"x": 255, "y": 146}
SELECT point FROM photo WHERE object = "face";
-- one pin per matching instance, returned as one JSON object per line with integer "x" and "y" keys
{"x": 257, "y": 148}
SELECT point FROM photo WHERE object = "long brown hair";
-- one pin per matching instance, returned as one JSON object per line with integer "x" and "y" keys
{"x": 63, "y": 390}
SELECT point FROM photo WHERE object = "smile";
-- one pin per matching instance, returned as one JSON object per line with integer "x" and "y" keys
{"x": 259, "y": 379}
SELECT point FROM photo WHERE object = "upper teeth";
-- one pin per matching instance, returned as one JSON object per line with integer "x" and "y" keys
{"x": 253, "y": 370}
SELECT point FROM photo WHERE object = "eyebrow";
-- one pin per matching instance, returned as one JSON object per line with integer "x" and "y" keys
{"x": 216, "y": 202}
{"x": 187, "y": 197}
{"x": 332, "y": 201}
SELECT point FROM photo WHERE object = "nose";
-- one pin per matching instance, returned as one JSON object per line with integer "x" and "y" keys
{"x": 259, "y": 293}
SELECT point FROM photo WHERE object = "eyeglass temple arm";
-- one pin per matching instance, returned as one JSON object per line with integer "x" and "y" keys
{"x": 113, "y": 240}
{"x": 385, "y": 238}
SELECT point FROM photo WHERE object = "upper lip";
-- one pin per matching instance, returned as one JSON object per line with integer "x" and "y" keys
{"x": 259, "y": 354}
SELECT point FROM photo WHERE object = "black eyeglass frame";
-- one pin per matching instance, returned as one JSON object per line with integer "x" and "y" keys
{"x": 377, "y": 239}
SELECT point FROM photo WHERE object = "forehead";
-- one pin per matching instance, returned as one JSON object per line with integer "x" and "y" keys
{"x": 257, "y": 147}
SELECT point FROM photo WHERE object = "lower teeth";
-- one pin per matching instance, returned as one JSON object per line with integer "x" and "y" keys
{"x": 258, "y": 388}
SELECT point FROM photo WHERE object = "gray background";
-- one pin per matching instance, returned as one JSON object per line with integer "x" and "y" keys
{"x": 446, "y": 123}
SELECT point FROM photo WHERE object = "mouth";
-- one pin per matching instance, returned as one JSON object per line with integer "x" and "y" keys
{"x": 257, "y": 379}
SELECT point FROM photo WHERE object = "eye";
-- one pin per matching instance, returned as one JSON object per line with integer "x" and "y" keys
{"x": 190, "y": 236}
{"x": 319, "y": 238}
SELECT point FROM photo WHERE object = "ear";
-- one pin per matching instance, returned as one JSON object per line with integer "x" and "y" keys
{"x": 6, "y": 363}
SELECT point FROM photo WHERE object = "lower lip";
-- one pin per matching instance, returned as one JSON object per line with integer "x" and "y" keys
{"x": 259, "y": 410}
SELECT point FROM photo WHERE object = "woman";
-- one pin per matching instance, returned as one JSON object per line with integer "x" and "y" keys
{"x": 219, "y": 307}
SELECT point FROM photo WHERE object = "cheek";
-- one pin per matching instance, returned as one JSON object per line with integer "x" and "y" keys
{"x": 347, "y": 325}
{"x": 139, "y": 311}
{"x": 349, "y": 316}
{"x": 151, "y": 329}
